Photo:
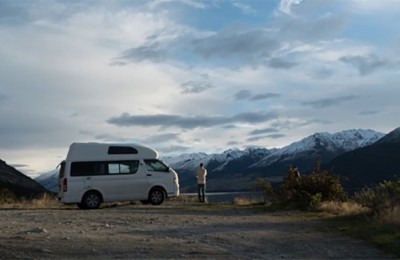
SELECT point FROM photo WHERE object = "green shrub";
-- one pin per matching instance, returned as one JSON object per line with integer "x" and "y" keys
{"x": 307, "y": 191}
{"x": 265, "y": 187}
{"x": 385, "y": 197}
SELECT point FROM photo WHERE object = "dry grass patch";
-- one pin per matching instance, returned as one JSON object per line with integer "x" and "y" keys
{"x": 43, "y": 201}
{"x": 391, "y": 216}
{"x": 247, "y": 201}
{"x": 342, "y": 208}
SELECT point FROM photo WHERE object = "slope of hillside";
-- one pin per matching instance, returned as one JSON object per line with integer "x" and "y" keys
{"x": 17, "y": 182}
{"x": 49, "y": 180}
{"x": 371, "y": 164}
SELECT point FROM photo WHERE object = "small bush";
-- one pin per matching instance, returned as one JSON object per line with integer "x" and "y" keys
{"x": 307, "y": 191}
{"x": 384, "y": 199}
{"x": 265, "y": 187}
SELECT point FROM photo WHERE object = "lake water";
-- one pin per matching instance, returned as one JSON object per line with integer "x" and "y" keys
{"x": 229, "y": 197}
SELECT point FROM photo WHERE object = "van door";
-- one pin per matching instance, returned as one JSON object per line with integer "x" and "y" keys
{"x": 158, "y": 173}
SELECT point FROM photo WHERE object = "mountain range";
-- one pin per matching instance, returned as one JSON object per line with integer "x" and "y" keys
{"x": 237, "y": 170}
{"x": 363, "y": 157}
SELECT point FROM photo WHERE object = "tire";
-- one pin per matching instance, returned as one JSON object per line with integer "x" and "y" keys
{"x": 91, "y": 200}
{"x": 156, "y": 196}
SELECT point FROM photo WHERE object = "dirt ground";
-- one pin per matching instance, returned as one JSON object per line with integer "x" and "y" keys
{"x": 173, "y": 230}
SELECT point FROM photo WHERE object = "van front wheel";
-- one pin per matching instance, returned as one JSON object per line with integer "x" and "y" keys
{"x": 91, "y": 200}
{"x": 156, "y": 196}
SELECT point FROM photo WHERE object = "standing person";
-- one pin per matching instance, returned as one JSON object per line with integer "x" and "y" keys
{"x": 201, "y": 174}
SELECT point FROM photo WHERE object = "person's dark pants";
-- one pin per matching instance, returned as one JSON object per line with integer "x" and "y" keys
{"x": 201, "y": 191}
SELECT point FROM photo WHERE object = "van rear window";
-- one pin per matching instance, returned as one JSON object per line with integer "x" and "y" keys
{"x": 121, "y": 150}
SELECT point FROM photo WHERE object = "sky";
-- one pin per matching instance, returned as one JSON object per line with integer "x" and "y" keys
{"x": 188, "y": 76}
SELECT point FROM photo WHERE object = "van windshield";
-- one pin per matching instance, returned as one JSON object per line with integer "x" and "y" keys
{"x": 156, "y": 166}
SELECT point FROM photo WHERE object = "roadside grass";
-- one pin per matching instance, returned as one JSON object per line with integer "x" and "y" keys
{"x": 353, "y": 220}
{"x": 247, "y": 201}
{"x": 44, "y": 201}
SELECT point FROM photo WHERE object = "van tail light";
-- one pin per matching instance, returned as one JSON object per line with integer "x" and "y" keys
{"x": 65, "y": 185}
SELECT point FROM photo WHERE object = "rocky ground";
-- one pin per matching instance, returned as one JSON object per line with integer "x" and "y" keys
{"x": 173, "y": 230}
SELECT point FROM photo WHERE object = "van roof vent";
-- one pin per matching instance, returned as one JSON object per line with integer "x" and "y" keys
{"x": 122, "y": 150}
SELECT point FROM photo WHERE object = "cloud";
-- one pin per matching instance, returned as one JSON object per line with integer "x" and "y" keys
{"x": 19, "y": 165}
{"x": 173, "y": 149}
{"x": 263, "y": 131}
{"x": 366, "y": 64}
{"x": 285, "y": 6}
{"x": 191, "y": 3}
{"x": 264, "y": 96}
{"x": 127, "y": 120}
{"x": 242, "y": 95}
{"x": 153, "y": 52}
{"x": 278, "y": 63}
{"x": 257, "y": 138}
{"x": 110, "y": 138}
{"x": 369, "y": 112}
{"x": 289, "y": 124}
{"x": 163, "y": 138}
{"x": 230, "y": 47}
{"x": 327, "y": 102}
{"x": 234, "y": 43}
{"x": 232, "y": 143}
{"x": 2, "y": 98}
{"x": 322, "y": 73}
{"x": 247, "y": 95}
{"x": 11, "y": 12}
{"x": 246, "y": 9}
{"x": 196, "y": 86}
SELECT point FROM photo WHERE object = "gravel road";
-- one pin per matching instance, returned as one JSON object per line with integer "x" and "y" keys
{"x": 173, "y": 230}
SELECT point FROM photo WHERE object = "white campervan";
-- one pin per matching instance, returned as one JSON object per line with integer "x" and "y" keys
{"x": 96, "y": 172}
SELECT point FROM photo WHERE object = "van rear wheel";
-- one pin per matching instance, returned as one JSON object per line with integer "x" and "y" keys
{"x": 156, "y": 196}
{"x": 91, "y": 200}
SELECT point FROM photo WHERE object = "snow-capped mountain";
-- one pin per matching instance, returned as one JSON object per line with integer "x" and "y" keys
{"x": 323, "y": 146}
{"x": 193, "y": 160}
{"x": 235, "y": 169}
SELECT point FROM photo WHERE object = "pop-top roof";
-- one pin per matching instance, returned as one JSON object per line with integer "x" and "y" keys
{"x": 109, "y": 151}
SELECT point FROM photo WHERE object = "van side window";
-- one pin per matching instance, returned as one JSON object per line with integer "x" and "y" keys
{"x": 121, "y": 150}
{"x": 103, "y": 168}
{"x": 128, "y": 167}
{"x": 156, "y": 165}
{"x": 87, "y": 168}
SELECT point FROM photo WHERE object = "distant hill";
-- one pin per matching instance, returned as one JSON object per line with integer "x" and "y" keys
{"x": 17, "y": 182}
{"x": 49, "y": 180}
{"x": 372, "y": 164}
